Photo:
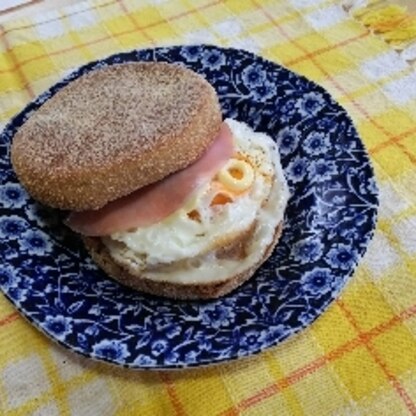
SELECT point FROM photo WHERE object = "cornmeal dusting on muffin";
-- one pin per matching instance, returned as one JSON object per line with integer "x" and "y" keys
{"x": 103, "y": 132}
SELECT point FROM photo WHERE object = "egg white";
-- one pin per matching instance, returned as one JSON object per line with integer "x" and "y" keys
{"x": 180, "y": 237}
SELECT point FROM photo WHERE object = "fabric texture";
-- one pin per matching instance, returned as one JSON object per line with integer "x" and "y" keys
{"x": 359, "y": 358}
{"x": 389, "y": 20}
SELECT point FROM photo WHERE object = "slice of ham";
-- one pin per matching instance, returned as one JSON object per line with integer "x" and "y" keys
{"x": 155, "y": 202}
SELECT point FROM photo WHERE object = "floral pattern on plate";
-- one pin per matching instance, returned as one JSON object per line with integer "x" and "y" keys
{"x": 46, "y": 273}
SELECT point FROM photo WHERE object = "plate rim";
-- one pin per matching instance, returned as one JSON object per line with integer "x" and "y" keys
{"x": 82, "y": 69}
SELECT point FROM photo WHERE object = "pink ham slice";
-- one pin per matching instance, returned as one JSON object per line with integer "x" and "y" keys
{"x": 155, "y": 202}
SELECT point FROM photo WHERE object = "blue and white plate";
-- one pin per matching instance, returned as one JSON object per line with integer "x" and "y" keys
{"x": 46, "y": 273}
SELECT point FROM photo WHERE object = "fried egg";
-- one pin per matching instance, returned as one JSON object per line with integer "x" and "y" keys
{"x": 217, "y": 213}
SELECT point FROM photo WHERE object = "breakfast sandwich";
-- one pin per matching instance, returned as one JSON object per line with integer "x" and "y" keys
{"x": 169, "y": 198}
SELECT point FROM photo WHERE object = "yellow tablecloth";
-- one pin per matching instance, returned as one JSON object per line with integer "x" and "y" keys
{"x": 359, "y": 358}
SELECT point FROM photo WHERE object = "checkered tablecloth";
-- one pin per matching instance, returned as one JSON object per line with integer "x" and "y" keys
{"x": 359, "y": 358}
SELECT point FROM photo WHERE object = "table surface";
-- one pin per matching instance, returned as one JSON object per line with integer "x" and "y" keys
{"x": 359, "y": 357}
{"x": 33, "y": 7}
{"x": 43, "y": 5}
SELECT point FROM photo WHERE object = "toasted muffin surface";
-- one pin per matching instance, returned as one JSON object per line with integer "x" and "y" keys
{"x": 115, "y": 130}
